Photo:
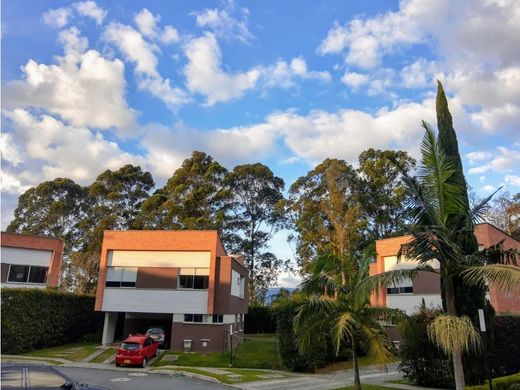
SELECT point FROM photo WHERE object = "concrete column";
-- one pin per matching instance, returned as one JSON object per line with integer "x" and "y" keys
{"x": 109, "y": 328}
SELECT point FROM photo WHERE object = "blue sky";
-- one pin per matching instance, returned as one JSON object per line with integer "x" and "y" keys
{"x": 89, "y": 86}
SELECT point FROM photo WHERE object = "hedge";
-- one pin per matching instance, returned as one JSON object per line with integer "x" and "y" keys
{"x": 38, "y": 318}
{"x": 505, "y": 358}
{"x": 425, "y": 365}
{"x": 260, "y": 319}
{"x": 321, "y": 352}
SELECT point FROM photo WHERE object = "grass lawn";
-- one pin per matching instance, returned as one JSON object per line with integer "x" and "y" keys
{"x": 505, "y": 379}
{"x": 254, "y": 352}
{"x": 74, "y": 352}
{"x": 104, "y": 356}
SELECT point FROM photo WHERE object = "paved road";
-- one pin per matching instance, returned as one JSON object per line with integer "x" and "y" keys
{"x": 136, "y": 380}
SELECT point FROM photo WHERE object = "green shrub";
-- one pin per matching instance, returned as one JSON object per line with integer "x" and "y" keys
{"x": 260, "y": 319}
{"x": 505, "y": 359}
{"x": 422, "y": 363}
{"x": 321, "y": 352}
{"x": 37, "y": 318}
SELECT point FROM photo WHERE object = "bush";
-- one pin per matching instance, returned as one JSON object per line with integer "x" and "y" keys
{"x": 506, "y": 345}
{"x": 260, "y": 319}
{"x": 36, "y": 318}
{"x": 321, "y": 352}
{"x": 422, "y": 363}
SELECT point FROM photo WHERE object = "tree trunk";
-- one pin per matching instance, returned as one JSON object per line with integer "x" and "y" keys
{"x": 458, "y": 369}
{"x": 357, "y": 381}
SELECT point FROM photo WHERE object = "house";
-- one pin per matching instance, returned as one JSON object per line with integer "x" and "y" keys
{"x": 182, "y": 281}
{"x": 30, "y": 261}
{"x": 409, "y": 294}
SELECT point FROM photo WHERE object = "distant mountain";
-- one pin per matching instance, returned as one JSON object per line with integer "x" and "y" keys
{"x": 273, "y": 292}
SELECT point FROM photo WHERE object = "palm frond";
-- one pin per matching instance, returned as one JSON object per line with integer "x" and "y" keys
{"x": 377, "y": 342}
{"x": 344, "y": 326}
{"x": 505, "y": 277}
{"x": 452, "y": 333}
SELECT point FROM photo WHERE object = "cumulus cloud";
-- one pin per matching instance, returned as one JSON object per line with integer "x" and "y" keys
{"x": 283, "y": 74}
{"x": 51, "y": 149}
{"x": 354, "y": 79}
{"x": 475, "y": 43}
{"x": 147, "y": 24}
{"x": 91, "y": 10}
{"x": 230, "y": 22}
{"x": 420, "y": 74}
{"x": 10, "y": 152}
{"x": 58, "y": 17}
{"x": 480, "y": 155}
{"x": 204, "y": 72}
{"x": 143, "y": 55}
{"x": 504, "y": 160}
{"x": 83, "y": 87}
{"x": 513, "y": 180}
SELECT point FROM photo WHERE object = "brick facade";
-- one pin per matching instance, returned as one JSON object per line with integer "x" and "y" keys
{"x": 23, "y": 241}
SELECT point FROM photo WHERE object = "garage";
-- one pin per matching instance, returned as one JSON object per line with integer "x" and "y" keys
{"x": 141, "y": 322}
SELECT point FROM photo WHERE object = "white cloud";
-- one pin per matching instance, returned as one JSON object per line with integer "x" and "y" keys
{"x": 420, "y": 74}
{"x": 480, "y": 155}
{"x": 513, "y": 180}
{"x": 10, "y": 152}
{"x": 488, "y": 189}
{"x": 204, "y": 72}
{"x": 91, "y": 10}
{"x": 58, "y": 17}
{"x": 83, "y": 87}
{"x": 134, "y": 47}
{"x": 53, "y": 149}
{"x": 354, "y": 79}
{"x": 147, "y": 24}
{"x": 476, "y": 52}
{"x": 138, "y": 51}
{"x": 505, "y": 160}
{"x": 228, "y": 23}
{"x": 283, "y": 74}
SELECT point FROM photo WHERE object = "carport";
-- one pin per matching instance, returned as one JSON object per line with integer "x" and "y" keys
{"x": 141, "y": 322}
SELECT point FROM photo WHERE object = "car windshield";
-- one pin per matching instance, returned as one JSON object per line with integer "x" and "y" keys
{"x": 155, "y": 331}
{"x": 130, "y": 346}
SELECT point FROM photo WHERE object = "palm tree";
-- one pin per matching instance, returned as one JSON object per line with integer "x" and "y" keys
{"x": 338, "y": 302}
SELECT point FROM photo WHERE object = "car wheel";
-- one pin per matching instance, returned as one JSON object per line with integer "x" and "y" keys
{"x": 144, "y": 362}
{"x": 118, "y": 364}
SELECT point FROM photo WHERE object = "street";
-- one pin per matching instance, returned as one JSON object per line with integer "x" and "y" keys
{"x": 135, "y": 380}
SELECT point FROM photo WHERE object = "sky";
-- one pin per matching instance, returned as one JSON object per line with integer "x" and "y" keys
{"x": 89, "y": 86}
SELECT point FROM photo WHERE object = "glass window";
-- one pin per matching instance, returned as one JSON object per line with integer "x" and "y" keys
{"x": 218, "y": 318}
{"x": 38, "y": 274}
{"x": 11, "y": 378}
{"x": 200, "y": 282}
{"x": 193, "y": 317}
{"x": 18, "y": 273}
{"x": 45, "y": 379}
{"x": 196, "y": 278}
{"x": 121, "y": 276}
{"x": 130, "y": 346}
{"x": 186, "y": 281}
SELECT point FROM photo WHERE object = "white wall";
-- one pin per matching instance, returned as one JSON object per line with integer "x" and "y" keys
{"x": 410, "y": 302}
{"x": 22, "y": 256}
{"x": 235, "y": 284}
{"x": 158, "y": 259}
{"x": 155, "y": 301}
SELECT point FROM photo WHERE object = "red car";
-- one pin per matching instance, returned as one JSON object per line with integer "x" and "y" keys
{"x": 137, "y": 350}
